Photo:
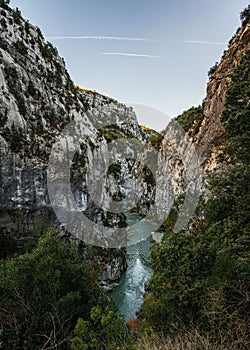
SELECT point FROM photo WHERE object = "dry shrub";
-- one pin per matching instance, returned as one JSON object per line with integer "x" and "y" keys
{"x": 193, "y": 340}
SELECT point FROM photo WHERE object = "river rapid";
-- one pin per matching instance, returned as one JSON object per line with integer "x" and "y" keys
{"x": 129, "y": 294}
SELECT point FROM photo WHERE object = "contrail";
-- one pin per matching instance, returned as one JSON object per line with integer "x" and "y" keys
{"x": 97, "y": 37}
{"x": 130, "y": 54}
{"x": 198, "y": 42}
{"x": 121, "y": 38}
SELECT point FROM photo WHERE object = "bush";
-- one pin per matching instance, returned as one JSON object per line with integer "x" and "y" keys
{"x": 4, "y": 4}
{"x": 43, "y": 293}
{"x": 202, "y": 275}
{"x": 212, "y": 70}
{"x": 103, "y": 331}
{"x": 191, "y": 120}
{"x": 245, "y": 15}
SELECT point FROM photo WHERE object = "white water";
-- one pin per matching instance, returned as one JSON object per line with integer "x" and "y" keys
{"x": 128, "y": 295}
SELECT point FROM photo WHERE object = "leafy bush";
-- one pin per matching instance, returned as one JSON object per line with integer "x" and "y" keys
{"x": 43, "y": 293}
{"x": 212, "y": 70}
{"x": 3, "y": 118}
{"x": 17, "y": 16}
{"x": 191, "y": 120}
{"x": 4, "y": 4}
{"x": 7, "y": 245}
{"x": 3, "y": 24}
{"x": 103, "y": 331}
{"x": 245, "y": 15}
{"x": 236, "y": 113}
{"x": 155, "y": 140}
{"x": 202, "y": 275}
{"x": 21, "y": 48}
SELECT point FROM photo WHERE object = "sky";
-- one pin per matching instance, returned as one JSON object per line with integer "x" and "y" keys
{"x": 151, "y": 54}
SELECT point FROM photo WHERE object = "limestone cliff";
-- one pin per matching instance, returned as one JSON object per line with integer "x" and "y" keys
{"x": 107, "y": 158}
{"x": 38, "y": 101}
{"x": 196, "y": 151}
{"x": 212, "y": 134}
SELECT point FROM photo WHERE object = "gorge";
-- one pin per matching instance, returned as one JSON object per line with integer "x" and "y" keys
{"x": 79, "y": 161}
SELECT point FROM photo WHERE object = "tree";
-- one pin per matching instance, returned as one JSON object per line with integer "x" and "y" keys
{"x": 43, "y": 293}
{"x": 245, "y": 15}
{"x": 202, "y": 275}
{"x": 103, "y": 331}
{"x": 212, "y": 70}
{"x": 4, "y": 4}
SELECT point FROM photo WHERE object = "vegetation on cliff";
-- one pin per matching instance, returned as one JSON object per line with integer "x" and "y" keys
{"x": 191, "y": 120}
{"x": 42, "y": 295}
{"x": 198, "y": 297}
{"x": 201, "y": 276}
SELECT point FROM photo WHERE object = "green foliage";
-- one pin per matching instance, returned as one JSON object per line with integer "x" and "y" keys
{"x": 191, "y": 120}
{"x": 155, "y": 140}
{"x": 115, "y": 170}
{"x": 4, "y": 4}
{"x": 48, "y": 51}
{"x": 31, "y": 90}
{"x": 3, "y": 118}
{"x": 21, "y": 48}
{"x": 114, "y": 132}
{"x": 103, "y": 331}
{"x": 15, "y": 137}
{"x": 236, "y": 113}
{"x": 27, "y": 27}
{"x": 202, "y": 275}
{"x": 3, "y": 23}
{"x": 181, "y": 265}
{"x": 245, "y": 15}
{"x": 39, "y": 229}
{"x": 43, "y": 293}
{"x": 39, "y": 32}
{"x": 212, "y": 70}
{"x": 11, "y": 76}
{"x": 17, "y": 16}
{"x": 7, "y": 245}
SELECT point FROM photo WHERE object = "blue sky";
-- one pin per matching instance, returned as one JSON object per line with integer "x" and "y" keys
{"x": 148, "y": 52}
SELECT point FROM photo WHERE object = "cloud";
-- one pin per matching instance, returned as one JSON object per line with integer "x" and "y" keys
{"x": 97, "y": 37}
{"x": 121, "y": 38}
{"x": 198, "y": 42}
{"x": 131, "y": 54}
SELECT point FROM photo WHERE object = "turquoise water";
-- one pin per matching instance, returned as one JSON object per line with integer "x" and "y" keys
{"x": 128, "y": 295}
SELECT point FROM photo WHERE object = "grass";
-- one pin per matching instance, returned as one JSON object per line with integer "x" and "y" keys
{"x": 235, "y": 336}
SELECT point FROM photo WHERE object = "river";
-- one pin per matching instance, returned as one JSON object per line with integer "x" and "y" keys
{"x": 129, "y": 294}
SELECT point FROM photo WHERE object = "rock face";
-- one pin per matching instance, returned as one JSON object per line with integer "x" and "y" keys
{"x": 38, "y": 101}
{"x": 211, "y": 135}
{"x": 180, "y": 157}
{"x": 51, "y": 130}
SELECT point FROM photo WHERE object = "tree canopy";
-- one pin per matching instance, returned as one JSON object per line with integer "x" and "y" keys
{"x": 201, "y": 276}
{"x": 43, "y": 293}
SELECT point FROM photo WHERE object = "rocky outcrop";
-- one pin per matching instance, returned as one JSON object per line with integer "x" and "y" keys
{"x": 184, "y": 160}
{"x": 40, "y": 106}
{"x": 54, "y": 136}
{"x": 212, "y": 135}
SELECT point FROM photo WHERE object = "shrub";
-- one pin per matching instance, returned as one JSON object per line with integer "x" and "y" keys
{"x": 191, "y": 120}
{"x": 245, "y": 15}
{"x": 43, "y": 293}
{"x": 103, "y": 331}
{"x": 201, "y": 275}
{"x": 212, "y": 70}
